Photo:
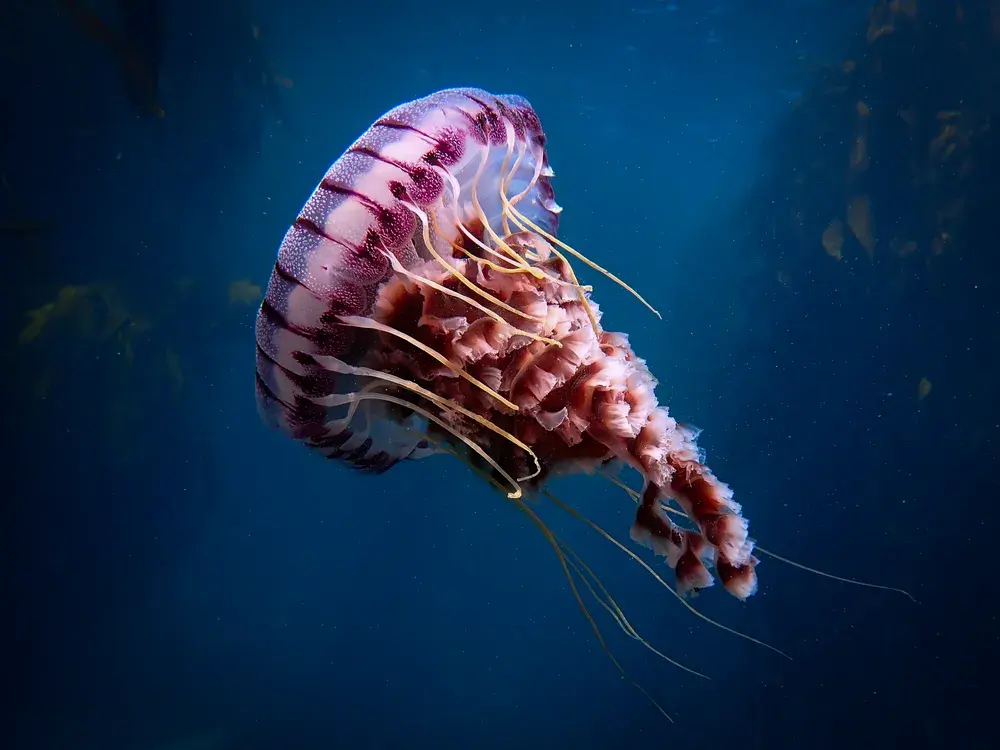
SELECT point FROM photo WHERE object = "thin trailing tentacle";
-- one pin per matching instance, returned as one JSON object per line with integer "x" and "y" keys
{"x": 680, "y": 513}
{"x": 551, "y": 538}
{"x": 800, "y": 566}
{"x": 575, "y": 513}
{"x": 607, "y": 601}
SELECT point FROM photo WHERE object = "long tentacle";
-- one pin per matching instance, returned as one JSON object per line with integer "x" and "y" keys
{"x": 551, "y": 538}
{"x": 677, "y": 512}
{"x": 576, "y": 514}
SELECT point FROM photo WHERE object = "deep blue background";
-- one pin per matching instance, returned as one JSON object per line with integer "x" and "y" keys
{"x": 177, "y": 576}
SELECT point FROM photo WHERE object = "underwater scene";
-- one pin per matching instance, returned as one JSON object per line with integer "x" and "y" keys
{"x": 546, "y": 375}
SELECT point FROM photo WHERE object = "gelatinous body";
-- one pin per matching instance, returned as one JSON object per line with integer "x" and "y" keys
{"x": 422, "y": 301}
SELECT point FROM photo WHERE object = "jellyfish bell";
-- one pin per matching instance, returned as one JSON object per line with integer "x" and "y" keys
{"x": 422, "y": 302}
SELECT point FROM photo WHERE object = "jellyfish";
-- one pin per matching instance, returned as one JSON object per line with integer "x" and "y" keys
{"x": 422, "y": 302}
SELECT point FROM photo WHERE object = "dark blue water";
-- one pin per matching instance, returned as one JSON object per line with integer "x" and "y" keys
{"x": 178, "y": 576}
